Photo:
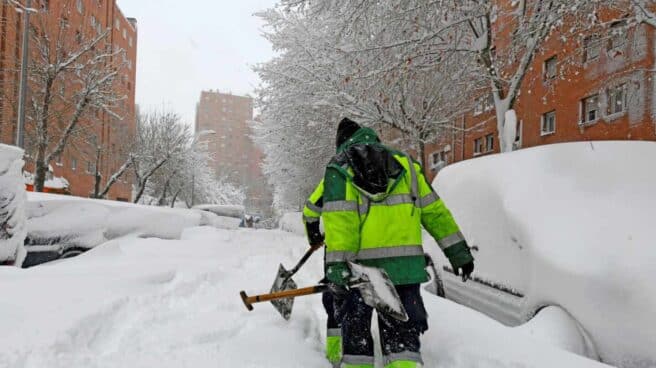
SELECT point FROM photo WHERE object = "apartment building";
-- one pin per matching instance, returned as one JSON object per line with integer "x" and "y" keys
{"x": 597, "y": 86}
{"x": 102, "y": 141}
{"x": 226, "y": 118}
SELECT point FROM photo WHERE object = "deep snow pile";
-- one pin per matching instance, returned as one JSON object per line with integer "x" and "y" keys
{"x": 174, "y": 303}
{"x": 12, "y": 205}
{"x": 569, "y": 225}
{"x": 87, "y": 222}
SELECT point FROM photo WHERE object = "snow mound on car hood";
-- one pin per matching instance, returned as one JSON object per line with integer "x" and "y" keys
{"x": 570, "y": 225}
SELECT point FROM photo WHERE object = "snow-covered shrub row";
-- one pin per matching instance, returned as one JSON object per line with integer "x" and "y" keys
{"x": 12, "y": 205}
{"x": 568, "y": 225}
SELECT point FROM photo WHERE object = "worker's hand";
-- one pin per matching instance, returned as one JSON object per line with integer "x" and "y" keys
{"x": 339, "y": 290}
{"x": 316, "y": 239}
{"x": 317, "y": 245}
{"x": 466, "y": 270}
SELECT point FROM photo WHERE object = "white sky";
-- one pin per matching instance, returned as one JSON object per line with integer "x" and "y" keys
{"x": 192, "y": 45}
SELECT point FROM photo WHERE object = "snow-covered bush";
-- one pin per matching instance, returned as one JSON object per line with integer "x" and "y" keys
{"x": 12, "y": 205}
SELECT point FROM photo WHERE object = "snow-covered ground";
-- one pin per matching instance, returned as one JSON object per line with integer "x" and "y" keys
{"x": 135, "y": 302}
{"x": 567, "y": 225}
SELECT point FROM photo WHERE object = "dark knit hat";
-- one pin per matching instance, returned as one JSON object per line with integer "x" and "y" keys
{"x": 345, "y": 130}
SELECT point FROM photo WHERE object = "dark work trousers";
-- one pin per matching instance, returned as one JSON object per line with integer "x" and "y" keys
{"x": 329, "y": 303}
{"x": 399, "y": 340}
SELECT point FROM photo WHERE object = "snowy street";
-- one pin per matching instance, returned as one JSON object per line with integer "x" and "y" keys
{"x": 135, "y": 302}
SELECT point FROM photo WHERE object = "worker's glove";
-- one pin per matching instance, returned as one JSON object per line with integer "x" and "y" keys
{"x": 460, "y": 258}
{"x": 466, "y": 271}
{"x": 316, "y": 240}
{"x": 340, "y": 291}
{"x": 315, "y": 237}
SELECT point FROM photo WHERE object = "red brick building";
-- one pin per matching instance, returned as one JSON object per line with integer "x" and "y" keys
{"x": 598, "y": 86}
{"x": 232, "y": 148}
{"x": 86, "y": 18}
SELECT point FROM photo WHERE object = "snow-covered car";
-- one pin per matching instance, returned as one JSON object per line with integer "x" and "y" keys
{"x": 12, "y": 206}
{"x": 234, "y": 211}
{"x": 64, "y": 226}
{"x": 568, "y": 226}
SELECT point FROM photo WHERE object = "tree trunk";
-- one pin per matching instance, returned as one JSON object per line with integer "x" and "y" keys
{"x": 97, "y": 176}
{"x": 140, "y": 192}
{"x": 162, "y": 197}
{"x": 114, "y": 178}
{"x": 175, "y": 197}
{"x": 422, "y": 155}
{"x": 40, "y": 170}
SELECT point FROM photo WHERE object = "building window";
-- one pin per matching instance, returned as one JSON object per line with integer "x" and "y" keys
{"x": 91, "y": 167}
{"x": 93, "y": 21}
{"x": 590, "y": 109}
{"x": 483, "y": 104}
{"x": 617, "y": 39}
{"x": 478, "y": 107}
{"x": 592, "y": 47}
{"x": 130, "y": 41}
{"x": 438, "y": 160}
{"x": 73, "y": 164}
{"x": 117, "y": 24}
{"x": 478, "y": 146}
{"x": 488, "y": 103}
{"x": 489, "y": 143}
{"x": 58, "y": 160}
{"x": 551, "y": 68}
{"x": 125, "y": 33}
{"x": 617, "y": 99}
{"x": 80, "y": 6}
{"x": 548, "y": 125}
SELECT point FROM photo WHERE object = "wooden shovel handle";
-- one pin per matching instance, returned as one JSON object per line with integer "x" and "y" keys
{"x": 250, "y": 300}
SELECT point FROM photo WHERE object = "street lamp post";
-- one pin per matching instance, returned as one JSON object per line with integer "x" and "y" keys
{"x": 22, "y": 94}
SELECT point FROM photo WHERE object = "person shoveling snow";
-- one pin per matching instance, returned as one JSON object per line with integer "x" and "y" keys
{"x": 375, "y": 201}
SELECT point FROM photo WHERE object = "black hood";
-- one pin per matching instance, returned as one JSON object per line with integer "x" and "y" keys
{"x": 345, "y": 130}
{"x": 374, "y": 167}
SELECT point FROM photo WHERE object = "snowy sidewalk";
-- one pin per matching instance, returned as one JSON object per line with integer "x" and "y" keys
{"x": 175, "y": 303}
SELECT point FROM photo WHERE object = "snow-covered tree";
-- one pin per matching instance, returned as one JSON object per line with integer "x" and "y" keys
{"x": 161, "y": 138}
{"x": 335, "y": 61}
{"x": 71, "y": 77}
{"x": 118, "y": 159}
{"x": 190, "y": 178}
{"x": 411, "y": 66}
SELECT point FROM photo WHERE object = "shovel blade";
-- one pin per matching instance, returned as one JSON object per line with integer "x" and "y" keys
{"x": 281, "y": 283}
{"x": 378, "y": 291}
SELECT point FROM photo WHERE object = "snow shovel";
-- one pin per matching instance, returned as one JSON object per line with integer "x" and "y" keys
{"x": 376, "y": 289}
{"x": 436, "y": 286}
{"x": 284, "y": 282}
